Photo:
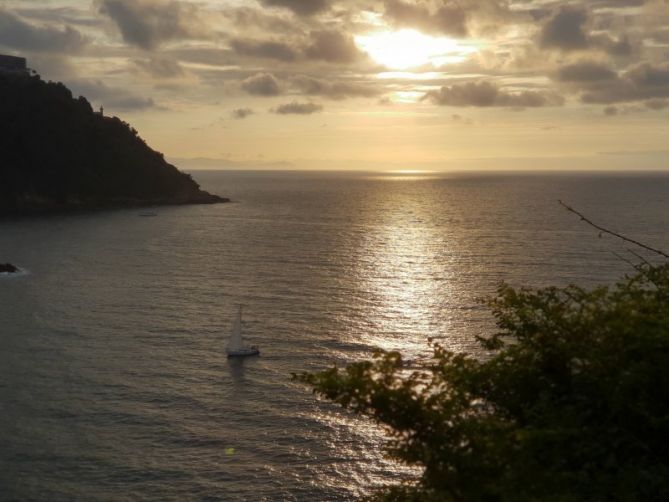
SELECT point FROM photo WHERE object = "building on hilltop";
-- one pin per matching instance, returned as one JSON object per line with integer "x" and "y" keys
{"x": 13, "y": 65}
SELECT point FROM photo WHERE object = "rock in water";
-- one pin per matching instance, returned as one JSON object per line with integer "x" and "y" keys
{"x": 8, "y": 268}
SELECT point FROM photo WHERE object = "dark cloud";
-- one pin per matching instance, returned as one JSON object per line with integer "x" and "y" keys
{"x": 615, "y": 4}
{"x": 262, "y": 84}
{"x": 148, "y": 23}
{"x": 450, "y": 18}
{"x": 264, "y": 49}
{"x": 300, "y": 7}
{"x": 565, "y": 30}
{"x": 332, "y": 46}
{"x": 585, "y": 71}
{"x": 296, "y": 108}
{"x": 247, "y": 17}
{"x": 633, "y": 109}
{"x": 650, "y": 77}
{"x": 161, "y": 67}
{"x": 640, "y": 83}
{"x": 241, "y": 113}
{"x": 334, "y": 90}
{"x": 661, "y": 36}
{"x": 324, "y": 45}
{"x": 486, "y": 94}
{"x": 568, "y": 30}
{"x": 657, "y": 104}
{"x": 610, "y": 111}
{"x": 620, "y": 47}
{"x": 18, "y": 34}
{"x": 111, "y": 97}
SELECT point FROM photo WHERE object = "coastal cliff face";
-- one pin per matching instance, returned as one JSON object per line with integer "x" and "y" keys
{"x": 56, "y": 154}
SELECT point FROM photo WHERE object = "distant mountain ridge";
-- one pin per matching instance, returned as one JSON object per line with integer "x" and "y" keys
{"x": 57, "y": 154}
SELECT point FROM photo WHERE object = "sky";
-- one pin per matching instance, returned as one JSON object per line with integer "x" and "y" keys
{"x": 366, "y": 84}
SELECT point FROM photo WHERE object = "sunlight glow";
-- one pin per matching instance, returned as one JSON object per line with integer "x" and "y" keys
{"x": 409, "y": 171}
{"x": 408, "y": 75}
{"x": 407, "y": 96}
{"x": 403, "y": 49}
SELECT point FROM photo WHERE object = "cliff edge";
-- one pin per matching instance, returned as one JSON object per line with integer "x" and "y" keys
{"x": 57, "y": 154}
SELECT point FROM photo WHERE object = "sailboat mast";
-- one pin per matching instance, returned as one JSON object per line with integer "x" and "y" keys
{"x": 236, "y": 346}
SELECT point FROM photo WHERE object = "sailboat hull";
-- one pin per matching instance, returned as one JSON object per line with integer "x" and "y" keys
{"x": 245, "y": 352}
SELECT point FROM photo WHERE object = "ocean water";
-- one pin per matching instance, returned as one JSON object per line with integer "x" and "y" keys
{"x": 114, "y": 384}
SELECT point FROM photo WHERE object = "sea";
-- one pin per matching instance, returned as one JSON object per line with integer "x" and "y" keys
{"x": 114, "y": 381}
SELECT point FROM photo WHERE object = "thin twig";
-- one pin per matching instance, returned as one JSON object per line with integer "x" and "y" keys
{"x": 635, "y": 266}
{"x": 626, "y": 260}
{"x": 606, "y": 231}
{"x": 639, "y": 257}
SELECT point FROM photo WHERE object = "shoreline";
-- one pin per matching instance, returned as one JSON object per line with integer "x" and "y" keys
{"x": 47, "y": 208}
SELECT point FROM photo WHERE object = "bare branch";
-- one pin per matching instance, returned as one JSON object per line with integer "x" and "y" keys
{"x": 635, "y": 266}
{"x": 639, "y": 257}
{"x": 606, "y": 231}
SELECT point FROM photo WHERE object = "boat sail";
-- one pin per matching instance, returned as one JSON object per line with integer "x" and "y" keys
{"x": 236, "y": 347}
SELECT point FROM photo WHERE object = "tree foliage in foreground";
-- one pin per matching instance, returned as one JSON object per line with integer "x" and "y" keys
{"x": 571, "y": 402}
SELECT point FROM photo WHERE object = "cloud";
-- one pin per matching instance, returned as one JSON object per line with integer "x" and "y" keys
{"x": 565, "y": 30}
{"x": 300, "y": 7}
{"x": 58, "y": 15}
{"x": 641, "y": 82}
{"x": 332, "y": 46}
{"x": 461, "y": 120}
{"x": 210, "y": 56}
{"x": 148, "y": 23}
{"x": 296, "y": 108}
{"x": 112, "y": 97}
{"x": 161, "y": 67}
{"x": 629, "y": 109}
{"x": 568, "y": 30}
{"x": 53, "y": 66}
{"x": 486, "y": 94}
{"x": 262, "y": 84}
{"x": 334, "y": 90}
{"x": 18, "y": 34}
{"x": 264, "y": 49}
{"x": 619, "y": 47}
{"x": 242, "y": 113}
{"x": 247, "y": 17}
{"x": 585, "y": 71}
{"x": 657, "y": 104}
{"x": 661, "y": 36}
{"x": 610, "y": 111}
{"x": 449, "y": 19}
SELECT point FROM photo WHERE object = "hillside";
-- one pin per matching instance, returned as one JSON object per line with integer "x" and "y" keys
{"x": 58, "y": 154}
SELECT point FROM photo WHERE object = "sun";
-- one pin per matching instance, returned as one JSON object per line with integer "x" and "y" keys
{"x": 404, "y": 49}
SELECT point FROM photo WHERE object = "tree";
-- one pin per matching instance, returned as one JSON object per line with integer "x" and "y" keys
{"x": 570, "y": 402}
{"x": 58, "y": 154}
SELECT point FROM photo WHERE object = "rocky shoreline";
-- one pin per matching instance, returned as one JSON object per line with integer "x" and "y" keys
{"x": 32, "y": 205}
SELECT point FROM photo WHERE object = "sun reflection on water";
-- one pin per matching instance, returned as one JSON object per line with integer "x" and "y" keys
{"x": 405, "y": 175}
{"x": 401, "y": 269}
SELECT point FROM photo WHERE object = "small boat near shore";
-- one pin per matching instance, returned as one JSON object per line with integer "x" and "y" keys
{"x": 236, "y": 347}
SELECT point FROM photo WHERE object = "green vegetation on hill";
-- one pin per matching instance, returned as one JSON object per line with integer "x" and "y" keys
{"x": 57, "y": 153}
{"x": 570, "y": 402}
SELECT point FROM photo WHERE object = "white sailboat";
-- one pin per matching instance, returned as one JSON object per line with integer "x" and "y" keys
{"x": 236, "y": 347}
